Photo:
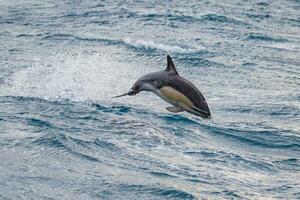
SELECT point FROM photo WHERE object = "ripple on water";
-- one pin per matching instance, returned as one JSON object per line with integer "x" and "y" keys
{"x": 170, "y": 193}
{"x": 262, "y": 37}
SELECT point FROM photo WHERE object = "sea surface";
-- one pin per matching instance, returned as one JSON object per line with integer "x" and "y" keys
{"x": 62, "y": 136}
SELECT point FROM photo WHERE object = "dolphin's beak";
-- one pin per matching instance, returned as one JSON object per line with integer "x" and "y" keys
{"x": 130, "y": 93}
{"x": 120, "y": 95}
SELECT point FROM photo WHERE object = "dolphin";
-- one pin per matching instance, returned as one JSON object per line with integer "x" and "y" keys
{"x": 182, "y": 94}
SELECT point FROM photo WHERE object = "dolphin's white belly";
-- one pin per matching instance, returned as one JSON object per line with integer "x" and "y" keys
{"x": 171, "y": 96}
{"x": 174, "y": 97}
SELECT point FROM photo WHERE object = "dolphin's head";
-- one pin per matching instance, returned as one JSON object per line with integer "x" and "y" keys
{"x": 153, "y": 81}
{"x": 136, "y": 88}
{"x": 145, "y": 83}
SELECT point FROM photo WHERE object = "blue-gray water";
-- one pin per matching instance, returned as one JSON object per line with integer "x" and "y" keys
{"x": 63, "y": 137}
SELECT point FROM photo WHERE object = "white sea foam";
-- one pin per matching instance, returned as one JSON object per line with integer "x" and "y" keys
{"x": 73, "y": 75}
{"x": 153, "y": 45}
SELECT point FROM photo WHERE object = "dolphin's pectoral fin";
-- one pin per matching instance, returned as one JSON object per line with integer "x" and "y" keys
{"x": 175, "y": 109}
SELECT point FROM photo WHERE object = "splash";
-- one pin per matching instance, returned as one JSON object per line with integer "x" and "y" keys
{"x": 71, "y": 75}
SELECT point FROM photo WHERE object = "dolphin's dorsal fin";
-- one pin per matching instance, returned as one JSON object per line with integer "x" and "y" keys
{"x": 170, "y": 65}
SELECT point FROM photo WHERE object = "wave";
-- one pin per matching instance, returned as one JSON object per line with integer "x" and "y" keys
{"x": 162, "y": 191}
{"x": 263, "y": 37}
{"x": 148, "y": 44}
{"x": 265, "y": 137}
{"x": 217, "y": 156}
{"x": 130, "y": 139}
{"x": 138, "y": 44}
{"x": 222, "y": 19}
{"x": 289, "y": 111}
{"x": 260, "y": 135}
{"x": 212, "y": 17}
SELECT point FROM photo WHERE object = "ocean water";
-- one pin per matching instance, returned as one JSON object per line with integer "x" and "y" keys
{"x": 63, "y": 137}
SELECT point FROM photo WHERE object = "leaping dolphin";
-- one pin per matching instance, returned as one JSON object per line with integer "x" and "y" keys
{"x": 174, "y": 89}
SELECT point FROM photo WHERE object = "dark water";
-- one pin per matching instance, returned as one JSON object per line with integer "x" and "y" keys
{"x": 63, "y": 137}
